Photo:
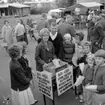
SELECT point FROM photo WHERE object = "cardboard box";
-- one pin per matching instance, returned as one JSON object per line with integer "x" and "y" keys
{"x": 52, "y": 69}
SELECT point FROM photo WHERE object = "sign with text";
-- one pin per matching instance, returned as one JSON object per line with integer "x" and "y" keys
{"x": 45, "y": 83}
{"x": 64, "y": 79}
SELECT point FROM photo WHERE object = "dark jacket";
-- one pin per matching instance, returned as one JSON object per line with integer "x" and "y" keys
{"x": 99, "y": 79}
{"x": 82, "y": 60}
{"x": 43, "y": 55}
{"x": 65, "y": 28}
{"x": 96, "y": 34}
{"x": 67, "y": 52}
{"x": 57, "y": 42}
{"x": 42, "y": 23}
{"x": 88, "y": 74}
{"x": 25, "y": 64}
{"x": 19, "y": 80}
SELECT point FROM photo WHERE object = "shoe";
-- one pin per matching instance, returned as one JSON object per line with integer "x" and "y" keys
{"x": 35, "y": 102}
{"x": 81, "y": 101}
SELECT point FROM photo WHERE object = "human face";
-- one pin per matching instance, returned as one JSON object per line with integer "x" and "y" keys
{"x": 45, "y": 37}
{"x": 90, "y": 61}
{"x": 77, "y": 40}
{"x": 67, "y": 39}
{"x": 99, "y": 60}
{"x": 86, "y": 49}
{"x": 6, "y": 23}
{"x": 53, "y": 29}
{"x": 19, "y": 21}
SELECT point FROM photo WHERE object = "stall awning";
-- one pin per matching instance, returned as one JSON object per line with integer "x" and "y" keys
{"x": 90, "y": 4}
{"x": 18, "y": 5}
{"x": 4, "y": 5}
{"x": 84, "y": 5}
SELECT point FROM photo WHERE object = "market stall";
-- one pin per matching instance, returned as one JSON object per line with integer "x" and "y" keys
{"x": 60, "y": 76}
{"x": 82, "y": 7}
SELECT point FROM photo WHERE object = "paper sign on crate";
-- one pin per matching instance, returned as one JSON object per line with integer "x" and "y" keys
{"x": 64, "y": 80}
{"x": 44, "y": 80}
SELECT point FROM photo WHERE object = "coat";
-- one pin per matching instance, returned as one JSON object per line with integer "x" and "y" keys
{"x": 99, "y": 79}
{"x": 19, "y": 80}
{"x": 41, "y": 24}
{"x": 65, "y": 28}
{"x": 7, "y": 34}
{"x": 88, "y": 74}
{"x": 96, "y": 35}
{"x": 42, "y": 55}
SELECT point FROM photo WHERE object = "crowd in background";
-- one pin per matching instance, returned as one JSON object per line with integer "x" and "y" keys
{"x": 58, "y": 40}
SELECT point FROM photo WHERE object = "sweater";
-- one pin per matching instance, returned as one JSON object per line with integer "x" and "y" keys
{"x": 57, "y": 42}
{"x": 67, "y": 52}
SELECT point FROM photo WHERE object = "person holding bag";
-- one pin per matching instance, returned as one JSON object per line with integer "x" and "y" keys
{"x": 21, "y": 93}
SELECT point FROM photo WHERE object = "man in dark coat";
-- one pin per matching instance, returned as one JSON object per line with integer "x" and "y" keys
{"x": 67, "y": 27}
{"x": 55, "y": 38}
{"x": 42, "y": 23}
{"x": 96, "y": 36}
{"x": 102, "y": 23}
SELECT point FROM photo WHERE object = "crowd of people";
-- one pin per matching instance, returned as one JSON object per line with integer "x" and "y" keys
{"x": 58, "y": 41}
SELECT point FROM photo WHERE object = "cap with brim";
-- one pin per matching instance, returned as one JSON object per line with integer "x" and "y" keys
{"x": 100, "y": 53}
{"x": 103, "y": 15}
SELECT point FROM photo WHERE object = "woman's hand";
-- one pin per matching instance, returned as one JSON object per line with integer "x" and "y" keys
{"x": 45, "y": 65}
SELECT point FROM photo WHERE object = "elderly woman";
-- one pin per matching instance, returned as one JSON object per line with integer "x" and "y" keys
{"x": 44, "y": 50}
{"x": 20, "y": 90}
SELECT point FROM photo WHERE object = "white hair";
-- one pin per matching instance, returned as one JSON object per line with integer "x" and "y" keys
{"x": 67, "y": 36}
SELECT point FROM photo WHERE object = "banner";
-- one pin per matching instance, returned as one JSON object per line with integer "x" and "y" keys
{"x": 44, "y": 80}
{"x": 64, "y": 80}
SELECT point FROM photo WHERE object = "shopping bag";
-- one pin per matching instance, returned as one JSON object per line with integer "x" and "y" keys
{"x": 79, "y": 80}
{"x": 91, "y": 88}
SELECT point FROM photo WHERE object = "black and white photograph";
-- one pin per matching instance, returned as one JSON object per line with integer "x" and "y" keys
{"x": 52, "y": 52}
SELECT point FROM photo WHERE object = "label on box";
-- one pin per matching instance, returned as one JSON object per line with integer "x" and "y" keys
{"x": 45, "y": 84}
{"x": 64, "y": 80}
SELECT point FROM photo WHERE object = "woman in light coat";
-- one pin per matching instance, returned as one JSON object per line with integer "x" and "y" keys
{"x": 7, "y": 33}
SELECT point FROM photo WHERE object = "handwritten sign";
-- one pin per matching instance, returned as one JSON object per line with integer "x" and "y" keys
{"x": 45, "y": 83}
{"x": 64, "y": 79}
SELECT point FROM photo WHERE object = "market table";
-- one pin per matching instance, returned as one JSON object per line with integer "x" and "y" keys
{"x": 51, "y": 78}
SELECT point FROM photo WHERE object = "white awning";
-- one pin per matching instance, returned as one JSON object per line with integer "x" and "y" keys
{"x": 90, "y": 4}
{"x": 18, "y": 5}
{"x": 4, "y": 5}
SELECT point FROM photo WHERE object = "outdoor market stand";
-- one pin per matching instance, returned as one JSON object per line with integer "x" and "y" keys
{"x": 52, "y": 77}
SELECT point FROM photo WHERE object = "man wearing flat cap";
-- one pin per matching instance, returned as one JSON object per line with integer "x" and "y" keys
{"x": 102, "y": 24}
